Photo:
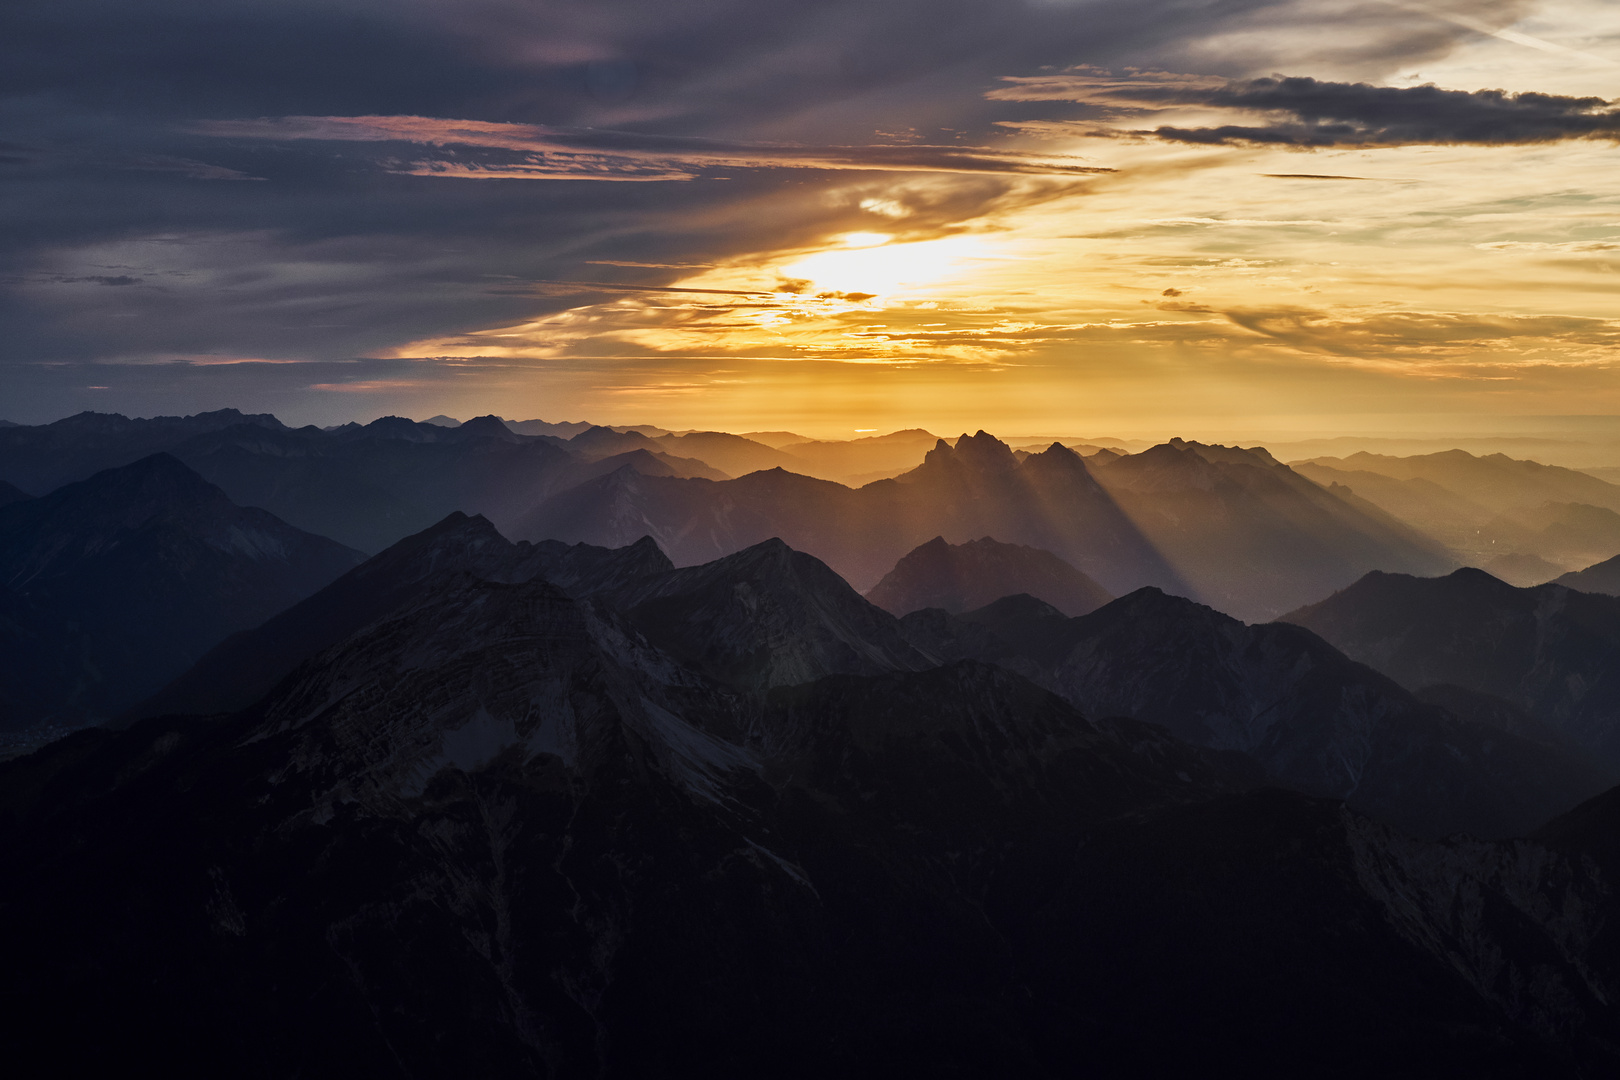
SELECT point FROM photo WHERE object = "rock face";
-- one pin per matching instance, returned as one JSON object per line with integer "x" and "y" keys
{"x": 512, "y": 828}
{"x": 1315, "y": 720}
{"x": 965, "y": 577}
{"x": 136, "y": 572}
{"x": 1549, "y": 650}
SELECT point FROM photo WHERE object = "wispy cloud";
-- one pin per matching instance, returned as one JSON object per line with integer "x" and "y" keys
{"x": 558, "y": 154}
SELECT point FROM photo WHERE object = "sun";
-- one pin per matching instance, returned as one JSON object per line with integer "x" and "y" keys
{"x": 868, "y": 263}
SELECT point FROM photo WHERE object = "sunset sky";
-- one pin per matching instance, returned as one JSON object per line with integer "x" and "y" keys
{"x": 1128, "y": 217}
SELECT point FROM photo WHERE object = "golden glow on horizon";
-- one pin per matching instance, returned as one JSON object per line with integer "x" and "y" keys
{"x": 1195, "y": 281}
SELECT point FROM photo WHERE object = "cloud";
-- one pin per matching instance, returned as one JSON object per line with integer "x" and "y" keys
{"x": 1303, "y": 112}
{"x": 552, "y": 153}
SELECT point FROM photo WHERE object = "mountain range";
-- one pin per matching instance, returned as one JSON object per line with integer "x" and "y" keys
{"x": 602, "y": 765}
{"x": 538, "y": 809}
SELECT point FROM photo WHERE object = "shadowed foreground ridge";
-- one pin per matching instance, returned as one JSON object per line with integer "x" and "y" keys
{"x": 564, "y": 811}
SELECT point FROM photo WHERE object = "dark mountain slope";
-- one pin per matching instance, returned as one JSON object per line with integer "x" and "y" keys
{"x": 964, "y": 577}
{"x": 767, "y": 616}
{"x": 496, "y": 832}
{"x": 9, "y": 494}
{"x": 1315, "y": 720}
{"x": 151, "y": 565}
{"x": 1550, "y": 650}
{"x": 1603, "y": 577}
{"x": 242, "y": 668}
{"x": 490, "y": 828}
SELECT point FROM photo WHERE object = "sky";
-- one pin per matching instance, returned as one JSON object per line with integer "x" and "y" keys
{"x": 1125, "y": 217}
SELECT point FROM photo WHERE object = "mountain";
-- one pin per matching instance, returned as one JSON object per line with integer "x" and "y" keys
{"x": 443, "y": 421}
{"x": 149, "y": 565}
{"x": 767, "y": 616}
{"x": 1603, "y": 577}
{"x": 1048, "y": 501}
{"x": 731, "y": 454}
{"x": 1253, "y": 537}
{"x": 500, "y": 830}
{"x": 1522, "y": 569}
{"x": 774, "y": 439}
{"x": 1494, "y": 481}
{"x": 370, "y": 486}
{"x": 963, "y": 577}
{"x": 45, "y": 457}
{"x": 565, "y": 430}
{"x": 1315, "y": 720}
{"x": 244, "y": 667}
{"x": 857, "y": 461}
{"x": 11, "y": 494}
{"x": 1550, "y": 650}
{"x": 1214, "y": 523}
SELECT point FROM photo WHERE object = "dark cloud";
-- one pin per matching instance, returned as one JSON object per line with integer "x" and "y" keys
{"x": 1310, "y": 113}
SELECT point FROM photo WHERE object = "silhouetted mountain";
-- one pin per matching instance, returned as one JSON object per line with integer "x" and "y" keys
{"x": 10, "y": 493}
{"x": 650, "y": 463}
{"x": 963, "y": 577}
{"x": 150, "y": 565}
{"x": 498, "y": 830}
{"x": 1603, "y": 577}
{"x": 1550, "y": 650}
{"x": 731, "y": 454}
{"x": 241, "y": 669}
{"x": 1253, "y": 537}
{"x": 599, "y": 442}
{"x": 1211, "y": 522}
{"x": 565, "y": 430}
{"x": 369, "y": 486}
{"x": 1315, "y": 720}
{"x": 767, "y": 616}
{"x": 46, "y": 457}
{"x": 976, "y": 489}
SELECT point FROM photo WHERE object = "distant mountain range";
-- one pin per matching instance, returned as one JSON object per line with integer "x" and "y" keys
{"x": 1523, "y": 521}
{"x": 1229, "y": 526}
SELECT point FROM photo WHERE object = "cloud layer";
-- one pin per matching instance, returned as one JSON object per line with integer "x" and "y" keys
{"x": 1305, "y": 112}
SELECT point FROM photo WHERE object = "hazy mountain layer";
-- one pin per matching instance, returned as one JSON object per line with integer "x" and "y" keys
{"x": 962, "y": 577}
